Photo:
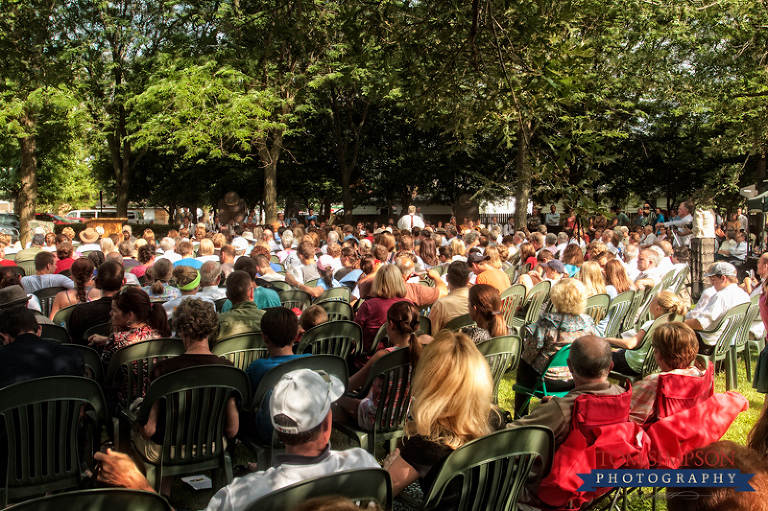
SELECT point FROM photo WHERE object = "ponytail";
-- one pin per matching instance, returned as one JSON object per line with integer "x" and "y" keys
{"x": 158, "y": 320}
{"x": 496, "y": 325}
{"x": 414, "y": 347}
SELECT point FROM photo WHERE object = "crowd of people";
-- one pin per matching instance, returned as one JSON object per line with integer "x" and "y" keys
{"x": 148, "y": 288}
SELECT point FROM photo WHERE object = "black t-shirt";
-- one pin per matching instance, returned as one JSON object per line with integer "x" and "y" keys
{"x": 427, "y": 458}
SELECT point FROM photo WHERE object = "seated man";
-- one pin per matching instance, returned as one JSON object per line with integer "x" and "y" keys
{"x": 590, "y": 363}
{"x": 301, "y": 414}
{"x": 727, "y": 295}
{"x": 416, "y": 293}
{"x": 45, "y": 274}
{"x": 279, "y": 328}
{"x": 675, "y": 348}
{"x": 457, "y": 302}
{"x": 25, "y": 356}
{"x": 245, "y": 316}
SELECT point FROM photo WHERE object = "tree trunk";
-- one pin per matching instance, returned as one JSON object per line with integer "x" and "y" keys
{"x": 269, "y": 157}
{"x": 523, "y": 184}
{"x": 27, "y": 195}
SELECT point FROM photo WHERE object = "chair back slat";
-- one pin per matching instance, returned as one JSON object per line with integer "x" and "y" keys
{"x": 340, "y": 338}
{"x": 242, "y": 349}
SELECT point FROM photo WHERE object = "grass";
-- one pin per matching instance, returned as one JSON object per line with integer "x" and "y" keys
{"x": 737, "y": 432}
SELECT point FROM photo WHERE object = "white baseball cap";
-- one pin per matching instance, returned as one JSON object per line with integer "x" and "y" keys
{"x": 304, "y": 396}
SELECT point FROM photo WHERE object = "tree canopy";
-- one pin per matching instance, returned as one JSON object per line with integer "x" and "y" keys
{"x": 584, "y": 101}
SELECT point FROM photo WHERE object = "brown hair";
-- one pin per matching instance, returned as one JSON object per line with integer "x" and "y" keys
{"x": 82, "y": 273}
{"x": 405, "y": 318}
{"x": 487, "y": 302}
{"x": 676, "y": 344}
{"x": 616, "y": 276}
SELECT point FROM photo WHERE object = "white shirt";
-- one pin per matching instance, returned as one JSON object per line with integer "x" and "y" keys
{"x": 170, "y": 255}
{"x": 410, "y": 221}
{"x": 721, "y": 302}
{"x": 686, "y": 222}
{"x": 288, "y": 470}
{"x": 211, "y": 292}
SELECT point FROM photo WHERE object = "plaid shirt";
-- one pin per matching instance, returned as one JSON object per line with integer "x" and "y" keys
{"x": 644, "y": 393}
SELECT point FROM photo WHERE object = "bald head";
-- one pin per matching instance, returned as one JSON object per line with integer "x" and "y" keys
{"x": 590, "y": 358}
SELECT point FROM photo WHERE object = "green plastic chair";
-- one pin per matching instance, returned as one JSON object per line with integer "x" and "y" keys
{"x": 649, "y": 362}
{"x": 502, "y": 354}
{"x": 312, "y": 282}
{"x": 539, "y": 389}
{"x": 597, "y": 307}
{"x": 242, "y": 349}
{"x": 27, "y": 266}
{"x": 46, "y": 296}
{"x": 634, "y": 308}
{"x": 102, "y": 498}
{"x": 532, "y": 306}
{"x": 341, "y": 338}
{"x": 280, "y": 286}
{"x": 512, "y": 300}
{"x": 295, "y": 299}
{"x": 425, "y": 325}
{"x": 93, "y": 368}
{"x": 18, "y": 270}
{"x": 644, "y": 313}
{"x": 680, "y": 279}
{"x": 337, "y": 310}
{"x": 743, "y": 341}
{"x": 342, "y": 294}
{"x": 458, "y": 323}
{"x": 104, "y": 329}
{"x": 728, "y": 327}
{"x": 130, "y": 367}
{"x": 274, "y": 259}
{"x": 617, "y": 311}
{"x": 331, "y": 364}
{"x": 196, "y": 400}
{"x": 42, "y": 420}
{"x": 492, "y": 470}
{"x": 364, "y": 484}
{"x": 668, "y": 280}
{"x": 393, "y": 371}
{"x": 55, "y": 333}
{"x": 219, "y": 303}
{"x": 61, "y": 318}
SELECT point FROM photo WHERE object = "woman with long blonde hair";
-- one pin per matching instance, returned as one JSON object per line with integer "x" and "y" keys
{"x": 592, "y": 277}
{"x": 452, "y": 390}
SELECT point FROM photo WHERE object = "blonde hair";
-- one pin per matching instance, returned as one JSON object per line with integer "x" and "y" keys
{"x": 457, "y": 247}
{"x": 107, "y": 245}
{"x": 494, "y": 257}
{"x": 569, "y": 296}
{"x": 452, "y": 389}
{"x": 592, "y": 277}
{"x": 388, "y": 282}
{"x": 206, "y": 247}
{"x": 671, "y": 303}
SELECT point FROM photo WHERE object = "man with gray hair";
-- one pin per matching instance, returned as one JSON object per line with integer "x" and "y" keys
{"x": 210, "y": 277}
{"x": 28, "y": 254}
{"x": 331, "y": 238}
{"x": 647, "y": 263}
{"x": 551, "y": 243}
{"x": 169, "y": 250}
{"x": 537, "y": 240}
{"x": 416, "y": 293}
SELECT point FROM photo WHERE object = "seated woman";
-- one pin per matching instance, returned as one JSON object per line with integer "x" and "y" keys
{"x": 134, "y": 319}
{"x": 616, "y": 279}
{"x": 85, "y": 291}
{"x": 572, "y": 258}
{"x": 452, "y": 390}
{"x": 161, "y": 272}
{"x": 591, "y": 276}
{"x": 402, "y": 325}
{"x": 388, "y": 288}
{"x": 553, "y": 331}
{"x": 629, "y": 359}
{"x": 485, "y": 311}
{"x": 675, "y": 348}
{"x": 195, "y": 321}
{"x": 64, "y": 260}
{"x": 146, "y": 256}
